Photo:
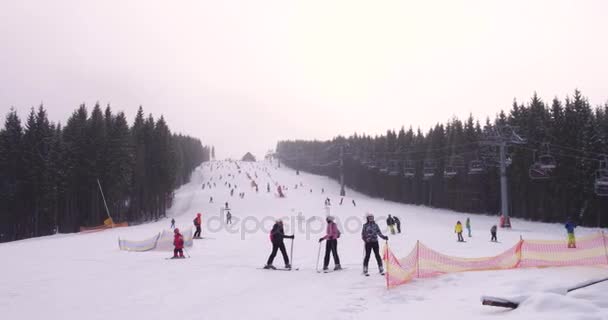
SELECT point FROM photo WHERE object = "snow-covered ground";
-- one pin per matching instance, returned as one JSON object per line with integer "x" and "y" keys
{"x": 85, "y": 276}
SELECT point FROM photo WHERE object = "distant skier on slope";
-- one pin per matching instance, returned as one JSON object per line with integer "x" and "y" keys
{"x": 570, "y": 229}
{"x": 277, "y": 234}
{"x": 178, "y": 242}
{"x": 172, "y": 223}
{"x": 398, "y": 224}
{"x": 228, "y": 218}
{"x": 493, "y": 233}
{"x": 458, "y": 231}
{"x": 467, "y": 224}
{"x": 354, "y": 203}
{"x": 370, "y": 234}
{"x": 197, "y": 224}
{"x": 390, "y": 222}
{"x": 331, "y": 246}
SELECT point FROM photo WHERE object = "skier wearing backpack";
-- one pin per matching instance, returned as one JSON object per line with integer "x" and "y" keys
{"x": 370, "y": 234}
{"x": 331, "y": 246}
{"x": 197, "y": 224}
{"x": 390, "y": 222}
{"x": 277, "y": 234}
{"x": 178, "y": 242}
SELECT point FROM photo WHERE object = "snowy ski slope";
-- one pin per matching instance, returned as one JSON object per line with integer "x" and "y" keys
{"x": 85, "y": 276}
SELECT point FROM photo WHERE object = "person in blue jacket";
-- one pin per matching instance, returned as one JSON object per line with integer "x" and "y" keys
{"x": 570, "y": 229}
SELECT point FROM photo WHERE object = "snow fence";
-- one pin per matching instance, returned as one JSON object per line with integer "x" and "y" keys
{"x": 424, "y": 262}
{"x": 163, "y": 241}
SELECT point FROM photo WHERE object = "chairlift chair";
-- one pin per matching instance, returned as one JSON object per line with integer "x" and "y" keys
{"x": 429, "y": 169}
{"x": 547, "y": 162}
{"x": 449, "y": 172}
{"x": 536, "y": 172}
{"x": 476, "y": 167}
{"x": 409, "y": 170}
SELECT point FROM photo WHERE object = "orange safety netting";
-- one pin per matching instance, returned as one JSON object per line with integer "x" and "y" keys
{"x": 423, "y": 262}
{"x": 103, "y": 227}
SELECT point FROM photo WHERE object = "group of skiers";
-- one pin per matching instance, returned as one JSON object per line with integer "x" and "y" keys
{"x": 369, "y": 234}
{"x": 458, "y": 230}
{"x": 391, "y": 222}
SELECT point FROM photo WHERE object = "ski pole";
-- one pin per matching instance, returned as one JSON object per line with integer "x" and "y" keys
{"x": 291, "y": 252}
{"x": 318, "y": 256}
{"x": 186, "y": 251}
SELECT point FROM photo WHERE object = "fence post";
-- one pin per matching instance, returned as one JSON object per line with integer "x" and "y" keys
{"x": 387, "y": 264}
{"x": 418, "y": 258}
{"x": 605, "y": 248}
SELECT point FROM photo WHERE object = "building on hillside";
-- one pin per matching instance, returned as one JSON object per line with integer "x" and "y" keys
{"x": 248, "y": 157}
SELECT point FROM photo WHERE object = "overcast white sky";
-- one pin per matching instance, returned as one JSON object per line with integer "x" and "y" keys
{"x": 242, "y": 74}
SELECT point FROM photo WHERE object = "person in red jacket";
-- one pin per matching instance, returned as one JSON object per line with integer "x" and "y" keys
{"x": 197, "y": 224}
{"x": 178, "y": 242}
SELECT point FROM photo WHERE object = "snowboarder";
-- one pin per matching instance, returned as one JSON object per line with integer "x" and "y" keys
{"x": 197, "y": 224}
{"x": 228, "y": 218}
{"x": 331, "y": 246}
{"x": 277, "y": 234}
{"x": 467, "y": 224}
{"x": 570, "y": 229}
{"x": 390, "y": 222}
{"x": 398, "y": 224}
{"x": 370, "y": 234}
{"x": 493, "y": 233}
{"x": 458, "y": 231}
{"x": 178, "y": 242}
{"x": 172, "y": 223}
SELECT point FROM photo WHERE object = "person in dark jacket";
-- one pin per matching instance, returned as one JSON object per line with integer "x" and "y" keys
{"x": 172, "y": 223}
{"x": 331, "y": 246}
{"x": 398, "y": 224}
{"x": 390, "y": 222}
{"x": 493, "y": 233}
{"x": 570, "y": 229}
{"x": 178, "y": 242}
{"x": 369, "y": 235}
{"x": 277, "y": 234}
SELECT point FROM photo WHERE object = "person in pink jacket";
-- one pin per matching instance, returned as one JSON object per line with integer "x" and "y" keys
{"x": 331, "y": 246}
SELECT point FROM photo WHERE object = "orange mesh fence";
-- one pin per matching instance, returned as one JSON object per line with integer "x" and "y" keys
{"x": 423, "y": 262}
{"x": 103, "y": 227}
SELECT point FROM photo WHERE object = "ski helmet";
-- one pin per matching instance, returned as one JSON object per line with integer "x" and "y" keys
{"x": 330, "y": 218}
{"x": 176, "y": 230}
{"x": 198, "y": 214}
{"x": 369, "y": 216}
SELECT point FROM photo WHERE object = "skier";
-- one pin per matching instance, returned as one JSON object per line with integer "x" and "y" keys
{"x": 390, "y": 222}
{"x": 370, "y": 234}
{"x": 467, "y": 224}
{"x": 268, "y": 187}
{"x": 277, "y": 234}
{"x": 231, "y": 192}
{"x": 178, "y": 242}
{"x": 570, "y": 229}
{"x": 331, "y": 246}
{"x": 493, "y": 233}
{"x": 226, "y": 205}
{"x": 322, "y": 190}
{"x": 458, "y": 230}
{"x": 341, "y": 200}
{"x": 354, "y": 204}
{"x": 197, "y": 224}
{"x": 172, "y": 223}
{"x": 228, "y": 218}
{"x": 398, "y": 223}
{"x": 210, "y": 199}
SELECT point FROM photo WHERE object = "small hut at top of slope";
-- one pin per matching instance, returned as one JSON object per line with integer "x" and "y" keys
{"x": 248, "y": 157}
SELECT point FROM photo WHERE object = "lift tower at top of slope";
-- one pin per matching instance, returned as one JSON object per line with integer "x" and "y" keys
{"x": 501, "y": 136}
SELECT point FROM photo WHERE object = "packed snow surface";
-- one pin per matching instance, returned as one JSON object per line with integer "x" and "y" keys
{"x": 86, "y": 276}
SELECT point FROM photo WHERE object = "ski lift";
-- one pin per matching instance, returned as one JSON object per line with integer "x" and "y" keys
{"x": 601, "y": 179}
{"x": 429, "y": 169}
{"x": 409, "y": 169}
{"x": 383, "y": 167}
{"x": 546, "y": 160}
{"x": 394, "y": 168}
{"x": 457, "y": 162}
{"x": 476, "y": 167}
{"x": 451, "y": 170}
{"x": 536, "y": 172}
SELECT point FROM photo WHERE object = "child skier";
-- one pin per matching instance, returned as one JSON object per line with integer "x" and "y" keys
{"x": 370, "y": 234}
{"x": 178, "y": 242}
{"x": 570, "y": 229}
{"x": 197, "y": 224}
{"x": 493, "y": 233}
{"x": 390, "y": 222}
{"x": 458, "y": 230}
{"x": 172, "y": 223}
{"x": 331, "y": 246}
{"x": 277, "y": 234}
{"x": 467, "y": 224}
